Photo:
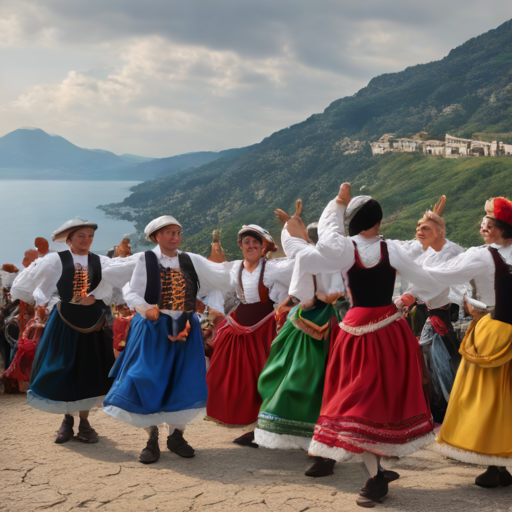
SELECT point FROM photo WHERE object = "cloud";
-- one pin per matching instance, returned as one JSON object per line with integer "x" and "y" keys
{"x": 175, "y": 76}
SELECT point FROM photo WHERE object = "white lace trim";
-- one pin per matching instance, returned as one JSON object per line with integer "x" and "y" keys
{"x": 281, "y": 441}
{"x": 384, "y": 449}
{"x": 472, "y": 457}
{"x": 363, "y": 329}
{"x": 55, "y": 407}
{"x": 149, "y": 420}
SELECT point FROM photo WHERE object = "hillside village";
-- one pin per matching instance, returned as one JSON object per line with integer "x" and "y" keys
{"x": 451, "y": 147}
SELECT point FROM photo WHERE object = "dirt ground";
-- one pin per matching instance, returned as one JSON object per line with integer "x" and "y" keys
{"x": 37, "y": 474}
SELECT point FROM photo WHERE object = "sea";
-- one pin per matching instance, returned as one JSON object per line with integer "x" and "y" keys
{"x": 29, "y": 209}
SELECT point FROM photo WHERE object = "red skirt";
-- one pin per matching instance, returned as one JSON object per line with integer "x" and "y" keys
{"x": 373, "y": 395}
{"x": 239, "y": 355}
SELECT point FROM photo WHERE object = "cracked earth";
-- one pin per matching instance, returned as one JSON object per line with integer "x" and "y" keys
{"x": 36, "y": 474}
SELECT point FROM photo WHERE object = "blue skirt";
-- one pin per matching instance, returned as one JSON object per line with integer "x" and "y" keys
{"x": 70, "y": 370}
{"x": 157, "y": 380}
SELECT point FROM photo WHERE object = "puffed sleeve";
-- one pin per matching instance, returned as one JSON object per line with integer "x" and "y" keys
{"x": 118, "y": 271}
{"x": 277, "y": 277}
{"x": 38, "y": 281}
{"x": 134, "y": 291}
{"x": 212, "y": 276}
{"x": 422, "y": 285}
{"x": 464, "y": 267}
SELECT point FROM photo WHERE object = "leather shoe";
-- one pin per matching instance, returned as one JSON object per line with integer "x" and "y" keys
{"x": 65, "y": 432}
{"x": 321, "y": 467}
{"x": 373, "y": 491}
{"x": 151, "y": 453}
{"x": 390, "y": 476}
{"x": 505, "y": 477}
{"x": 489, "y": 478}
{"x": 247, "y": 440}
{"x": 177, "y": 444}
{"x": 86, "y": 434}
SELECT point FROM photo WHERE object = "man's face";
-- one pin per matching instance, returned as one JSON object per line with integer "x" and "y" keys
{"x": 169, "y": 237}
{"x": 426, "y": 233}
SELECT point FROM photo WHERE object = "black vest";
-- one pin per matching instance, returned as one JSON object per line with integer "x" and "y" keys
{"x": 153, "y": 291}
{"x": 502, "y": 288}
{"x": 372, "y": 287}
{"x": 81, "y": 318}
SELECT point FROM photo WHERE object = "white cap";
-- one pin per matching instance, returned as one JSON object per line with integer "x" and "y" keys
{"x": 159, "y": 223}
{"x": 61, "y": 234}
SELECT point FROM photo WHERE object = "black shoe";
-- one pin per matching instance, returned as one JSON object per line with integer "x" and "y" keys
{"x": 505, "y": 477}
{"x": 177, "y": 444}
{"x": 321, "y": 467}
{"x": 390, "y": 476}
{"x": 489, "y": 478}
{"x": 247, "y": 440}
{"x": 86, "y": 434}
{"x": 373, "y": 491}
{"x": 65, "y": 432}
{"x": 151, "y": 453}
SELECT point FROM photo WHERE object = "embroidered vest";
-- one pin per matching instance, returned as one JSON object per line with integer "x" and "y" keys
{"x": 174, "y": 289}
{"x": 74, "y": 284}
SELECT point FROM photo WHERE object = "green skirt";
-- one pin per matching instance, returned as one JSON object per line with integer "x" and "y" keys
{"x": 292, "y": 382}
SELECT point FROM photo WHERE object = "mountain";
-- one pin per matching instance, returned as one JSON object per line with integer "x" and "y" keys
{"x": 135, "y": 158}
{"x": 467, "y": 92}
{"x": 31, "y": 153}
{"x": 165, "y": 166}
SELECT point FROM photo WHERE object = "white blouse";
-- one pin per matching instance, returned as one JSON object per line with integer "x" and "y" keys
{"x": 277, "y": 277}
{"x": 326, "y": 282}
{"x": 39, "y": 280}
{"x": 475, "y": 264}
{"x": 432, "y": 258}
{"x": 335, "y": 252}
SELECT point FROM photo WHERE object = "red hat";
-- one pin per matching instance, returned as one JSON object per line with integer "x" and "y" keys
{"x": 499, "y": 208}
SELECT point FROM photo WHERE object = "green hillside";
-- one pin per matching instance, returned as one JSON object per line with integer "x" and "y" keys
{"x": 467, "y": 92}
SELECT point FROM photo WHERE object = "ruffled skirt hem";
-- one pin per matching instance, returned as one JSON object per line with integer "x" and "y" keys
{"x": 276, "y": 441}
{"x": 149, "y": 420}
{"x": 319, "y": 449}
{"x": 56, "y": 407}
{"x": 480, "y": 459}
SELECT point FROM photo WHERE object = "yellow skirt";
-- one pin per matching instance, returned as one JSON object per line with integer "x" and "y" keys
{"x": 478, "y": 422}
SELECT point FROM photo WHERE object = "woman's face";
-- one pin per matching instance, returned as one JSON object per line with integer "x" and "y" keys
{"x": 252, "y": 249}
{"x": 80, "y": 241}
{"x": 490, "y": 232}
{"x": 426, "y": 233}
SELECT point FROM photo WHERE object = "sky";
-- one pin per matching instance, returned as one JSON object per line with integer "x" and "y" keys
{"x": 163, "y": 77}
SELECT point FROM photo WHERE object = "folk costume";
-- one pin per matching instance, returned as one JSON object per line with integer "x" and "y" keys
{"x": 160, "y": 377}
{"x": 242, "y": 342}
{"x": 291, "y": 383}
{"x": 432, "y": 324}
{"x": 477, "y": 426}
{"x": 73, "y": 357}
{"x": 373, "y": 401}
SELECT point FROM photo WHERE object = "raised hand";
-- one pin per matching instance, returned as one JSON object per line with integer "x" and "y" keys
{"x": 282, "y": 216}
{"x": 344, "y": 195}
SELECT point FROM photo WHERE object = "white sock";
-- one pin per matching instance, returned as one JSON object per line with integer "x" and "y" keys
{"x": 371, "y": 461}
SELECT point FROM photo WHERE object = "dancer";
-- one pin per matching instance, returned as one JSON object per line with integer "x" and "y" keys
{"x": 73, "y": 357}
{"x": 242, "y": 343}
{"x": 291, "y": 383}
{"x": 373, "y": 403}
{"x": 432, "y": 324}
{"x": 477, "y": 425}
{"x": 160, "y": 376}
